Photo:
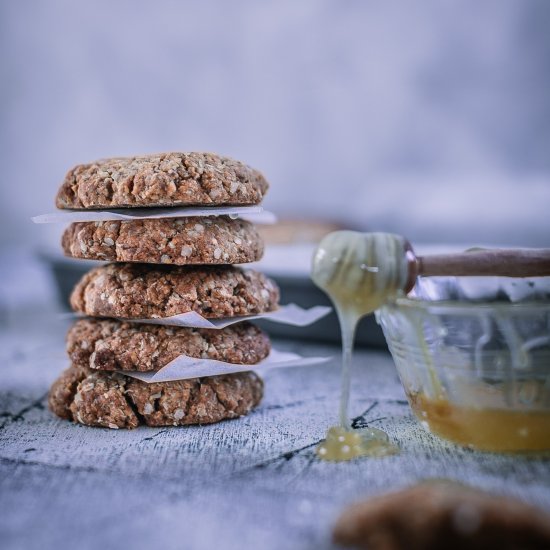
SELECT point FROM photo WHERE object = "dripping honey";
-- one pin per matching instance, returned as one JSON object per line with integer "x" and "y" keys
{"x": 359, "y": 272}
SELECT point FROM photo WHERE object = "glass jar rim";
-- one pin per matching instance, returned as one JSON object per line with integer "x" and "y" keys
{"x": 465, "y": 306}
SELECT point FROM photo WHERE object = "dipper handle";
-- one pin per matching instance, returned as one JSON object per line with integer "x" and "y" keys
{"x": 521, "y": 262}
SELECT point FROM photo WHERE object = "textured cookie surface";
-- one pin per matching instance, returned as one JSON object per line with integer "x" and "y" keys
{"x": 106, "y": 344}
{"x": 442, "y": 514}
{"x": 135, "y": 291}
{"x": 112, "y": 400}
{"x": 181, "y": 241}
{"x": 164, "y": 179}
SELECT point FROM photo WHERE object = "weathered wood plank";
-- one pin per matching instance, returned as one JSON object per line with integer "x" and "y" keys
{"x": 249, "y": 483}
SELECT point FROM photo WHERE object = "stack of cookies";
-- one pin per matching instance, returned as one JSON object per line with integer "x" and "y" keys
{"x": 162, "y": 267}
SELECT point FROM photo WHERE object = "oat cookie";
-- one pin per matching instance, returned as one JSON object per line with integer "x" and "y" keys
{"x": 179, "y": 241}
{"x": 163, "y": 179}
{"x": 106, "y": 344}
{"x": 134, "y": 291}
{"x": 442, "y": 514}
{"x": 111, "y": 400}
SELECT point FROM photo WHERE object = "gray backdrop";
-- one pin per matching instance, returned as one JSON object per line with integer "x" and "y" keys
{"x": 427, "y": 118}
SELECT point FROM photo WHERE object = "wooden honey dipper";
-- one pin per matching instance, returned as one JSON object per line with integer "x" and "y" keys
{"x": 378, "y": 263}
{"x": 520, "y": 262}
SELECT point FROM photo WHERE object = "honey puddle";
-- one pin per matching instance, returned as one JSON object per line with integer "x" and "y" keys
{"x": 359, "y": 272}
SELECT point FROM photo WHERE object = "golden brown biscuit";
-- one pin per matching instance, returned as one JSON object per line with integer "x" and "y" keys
{"x": 178, "y": 241}
{"x": 106, "y": 344}
{"x": 111, "y": 400}
{"x": 142, "y": 291}
{"x": 163, "y": 179}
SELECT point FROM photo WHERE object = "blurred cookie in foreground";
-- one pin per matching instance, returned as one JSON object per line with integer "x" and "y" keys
{"x": 107, "y": 344}
{"x": 162, "y": 179}
{"x": 144, "y": 291}
{"x": 178, "y": 241}
{"x": 442, "y": 514}
{"x": 112, "y": 400}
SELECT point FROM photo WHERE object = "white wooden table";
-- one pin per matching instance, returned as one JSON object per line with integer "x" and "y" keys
{"x": 248, "y": 483}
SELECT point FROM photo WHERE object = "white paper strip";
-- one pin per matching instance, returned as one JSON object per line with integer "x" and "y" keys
{"x": 254, "y": 213}
{"x": 290, "y": 314}
{"x": 184, "y": 367}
